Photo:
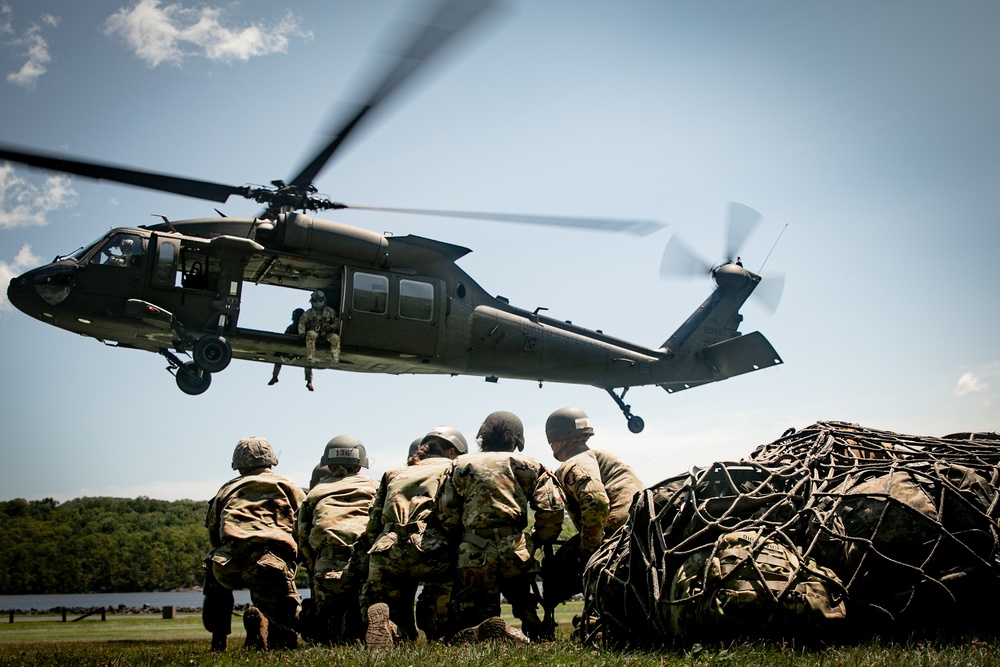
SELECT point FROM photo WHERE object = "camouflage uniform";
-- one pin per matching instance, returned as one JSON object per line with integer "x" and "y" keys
{"x": 251, "y": 527}
{"x": 599, "y": 488}
{"x": 321, "y": 322}
{"x": 330, "y": 521}
{"x": 409, "y": 547}
{"x": 484, "y": 500}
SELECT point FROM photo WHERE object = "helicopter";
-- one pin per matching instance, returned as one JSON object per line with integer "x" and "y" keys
{"x": 404, "y": 305}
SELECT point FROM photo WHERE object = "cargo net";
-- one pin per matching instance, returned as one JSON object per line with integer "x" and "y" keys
{"x": 829, "y": 533}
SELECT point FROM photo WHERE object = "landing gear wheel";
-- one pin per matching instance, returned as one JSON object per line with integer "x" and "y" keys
{"x": 193, "y": 380}
{"x": 635, "y": 424}
{"x": 212, "y": 353}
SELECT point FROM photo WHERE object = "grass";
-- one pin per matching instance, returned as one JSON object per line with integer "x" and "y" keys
{"x": 128, "y": 640}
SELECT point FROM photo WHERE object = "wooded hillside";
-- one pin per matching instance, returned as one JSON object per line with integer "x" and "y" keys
{"x": 98, "y": 545}
{"x": 92, "y": 545}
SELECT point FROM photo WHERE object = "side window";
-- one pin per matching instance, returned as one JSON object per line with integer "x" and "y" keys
{"x": 416, "y": 300}
{"x": 371, "y": 293}
{"x": 122, "y": 249}
{"x": 198, "y": 271}
{"x": 166, "y": 262}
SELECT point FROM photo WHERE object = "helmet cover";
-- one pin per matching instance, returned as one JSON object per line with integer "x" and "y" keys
{"x": 253, "y": 452}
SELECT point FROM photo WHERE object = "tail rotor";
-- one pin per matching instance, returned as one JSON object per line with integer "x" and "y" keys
{"x": 681, "y": 261}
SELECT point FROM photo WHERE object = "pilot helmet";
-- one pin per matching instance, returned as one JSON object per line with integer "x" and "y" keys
{"x": 567, "y": 424}
{"x": 253, "y": 452}
{"x": 128, "y": 246}
{"x": 450, "y": 435}
{"x": 345, "y": 450}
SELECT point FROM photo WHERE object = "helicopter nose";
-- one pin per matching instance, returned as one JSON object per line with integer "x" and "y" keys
{"x": 32, "y": 291}
{"x": 18, "y": 293}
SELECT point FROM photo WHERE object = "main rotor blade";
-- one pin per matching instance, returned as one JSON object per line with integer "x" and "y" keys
{"x": 742, "y": 221}
{"x": 216, "y": 192}
{"x": 680, "y": 261}
{"x": 426, "y": 40}
{"x": 636, "y": 227}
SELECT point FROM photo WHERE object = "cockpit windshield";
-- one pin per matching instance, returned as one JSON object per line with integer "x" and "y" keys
{"x": 121, "y": 249}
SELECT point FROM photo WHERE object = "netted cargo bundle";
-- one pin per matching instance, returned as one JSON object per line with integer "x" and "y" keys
{"x": 830, "y": 531}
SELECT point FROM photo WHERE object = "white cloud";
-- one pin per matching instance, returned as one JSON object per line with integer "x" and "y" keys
{"x": 32, "y": 45}
{"x": 24, "y": 260}
{"x": 24, "y": 204}
{"x": 975, "y": 382}
{"x": 170, "y": 33}
{"x": 970, "y": 383}
{"x": 6, "y": 20}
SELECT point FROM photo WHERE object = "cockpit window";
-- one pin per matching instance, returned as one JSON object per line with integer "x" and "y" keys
{"x": 122, "y": 249}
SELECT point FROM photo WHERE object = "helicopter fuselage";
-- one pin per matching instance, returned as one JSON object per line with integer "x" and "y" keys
{"x": 405, "y": 307}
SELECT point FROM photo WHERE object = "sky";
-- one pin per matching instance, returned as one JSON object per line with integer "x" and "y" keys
{"x": 867, "y": 135}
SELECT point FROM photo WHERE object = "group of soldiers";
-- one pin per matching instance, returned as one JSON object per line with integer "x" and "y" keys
{"x": 450, "y": 523}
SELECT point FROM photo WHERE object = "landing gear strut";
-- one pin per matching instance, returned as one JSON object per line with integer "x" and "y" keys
{"x": 635, "y": 423}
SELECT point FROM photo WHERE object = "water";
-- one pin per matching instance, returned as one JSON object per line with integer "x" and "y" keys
{"x": 112, "y": 600}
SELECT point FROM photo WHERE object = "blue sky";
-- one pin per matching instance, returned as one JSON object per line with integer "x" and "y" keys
{"x": 868, "y": 132}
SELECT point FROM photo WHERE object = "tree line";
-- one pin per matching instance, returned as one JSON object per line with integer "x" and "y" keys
{"x": 96, "y": 545}
{"x": 108, "y": 545}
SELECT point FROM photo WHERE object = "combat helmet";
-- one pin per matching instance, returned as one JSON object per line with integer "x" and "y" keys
{"x": 567, "y": 424}
{"x": 317, "y": 296}
{"x": 345, "y": 450}
{"x": 414, "y": 446}
{"x": 506, "y": 421}
{"x": 253, "y": 452}
{"x": 450, "y": 435}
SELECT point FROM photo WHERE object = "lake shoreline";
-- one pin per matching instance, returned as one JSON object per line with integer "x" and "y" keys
{"x": 148, "y": 603}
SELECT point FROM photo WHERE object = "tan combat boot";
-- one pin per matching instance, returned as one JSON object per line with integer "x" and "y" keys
{"x": 380, "y": 628}
{"x": 255, "y": 624}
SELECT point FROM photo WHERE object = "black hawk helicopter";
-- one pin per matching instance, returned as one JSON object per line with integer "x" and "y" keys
{"x": 405, "y": 306}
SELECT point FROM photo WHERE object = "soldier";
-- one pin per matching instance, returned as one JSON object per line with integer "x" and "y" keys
{"x": 127, "y": 251}
{"x": 408, "y": 545}
{"x": 320, "y": 321}
{"x": 251, "y": 527}
{"x": 293, "y": 329}
{"x": 598, "y": 485}
{"x": 432, "y": 603}
{"x": 330, "y": 523}
{"x": 599, "y": 488}
{"x": 484, "y": 503}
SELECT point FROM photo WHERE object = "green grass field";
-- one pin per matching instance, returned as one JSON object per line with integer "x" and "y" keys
{"x": 135, "y": 640}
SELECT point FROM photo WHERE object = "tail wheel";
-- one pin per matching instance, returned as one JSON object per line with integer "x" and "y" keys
{"x": 212, "y": 353}
{"x": 635, "y": 424}
{"x": 193, "y": 380}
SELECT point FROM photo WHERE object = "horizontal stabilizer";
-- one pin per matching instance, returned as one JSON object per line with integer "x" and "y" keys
{"x": 735, "y": 356}
{"x": 740, "y": 355}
